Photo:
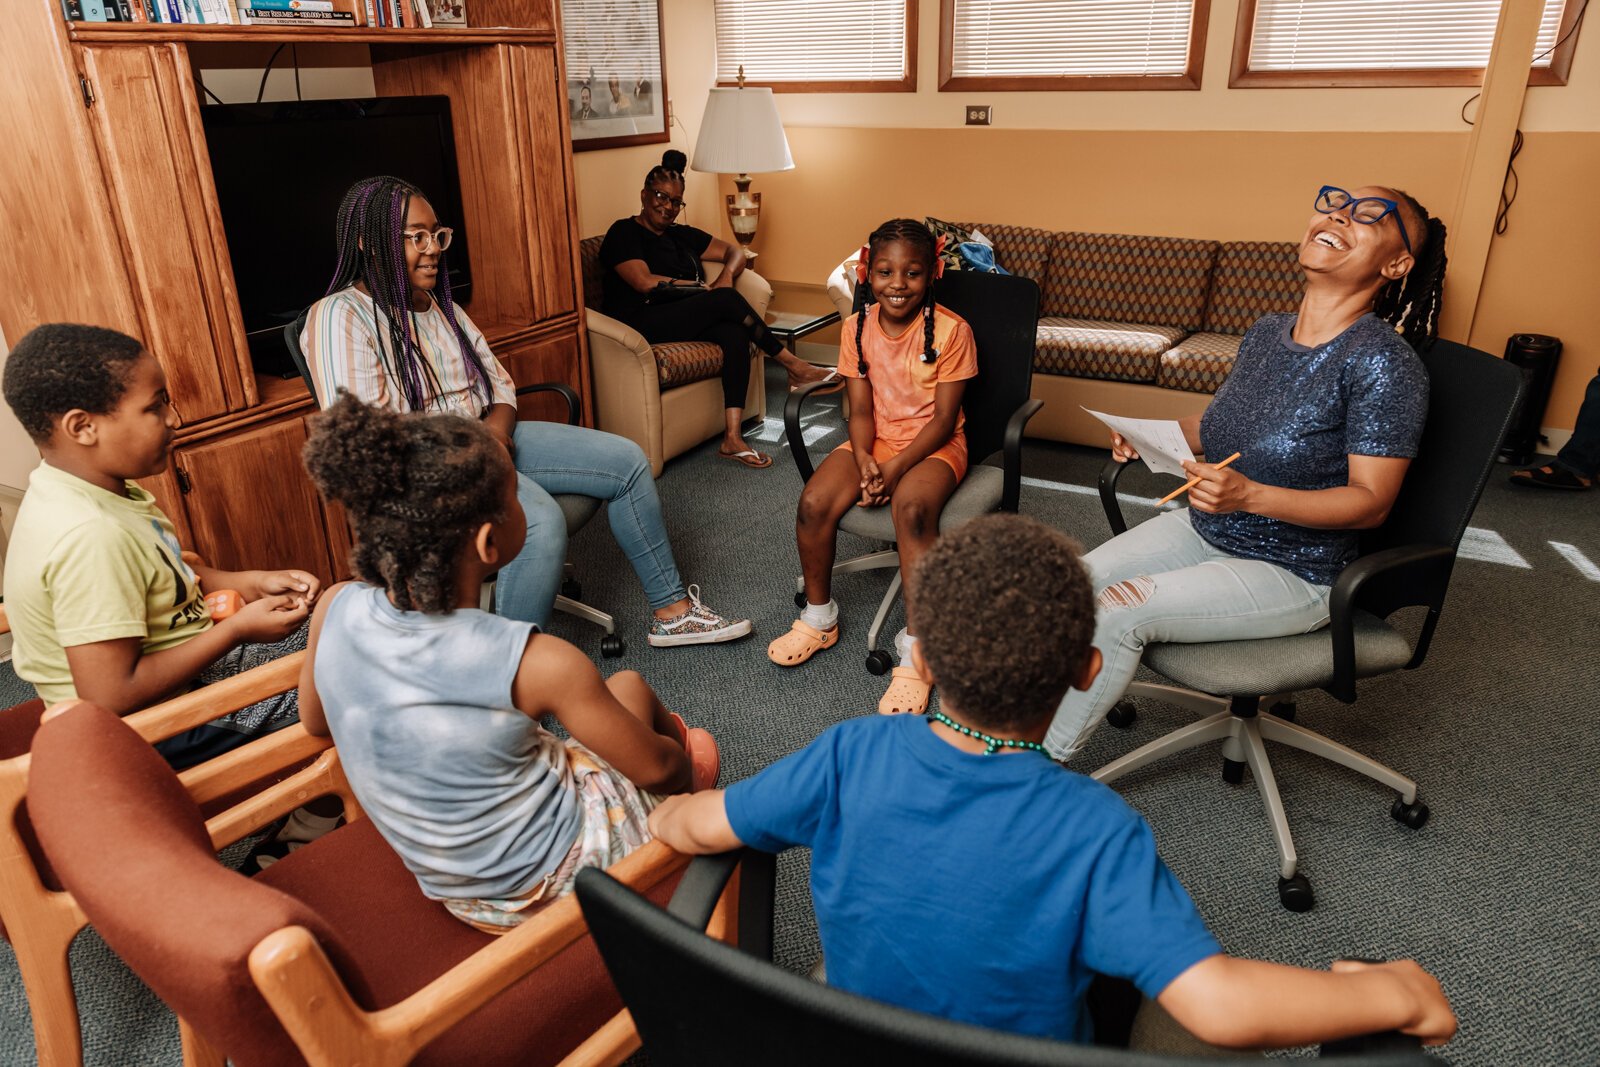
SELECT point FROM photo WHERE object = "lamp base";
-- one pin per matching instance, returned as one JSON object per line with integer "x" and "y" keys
{"x": 744, "y": 214}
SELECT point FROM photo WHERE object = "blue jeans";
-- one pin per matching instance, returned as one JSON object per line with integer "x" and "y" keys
{"x": 553, "y": 457}
{"x": 1581, "y": 455}
{"x": 1162, "y": 582}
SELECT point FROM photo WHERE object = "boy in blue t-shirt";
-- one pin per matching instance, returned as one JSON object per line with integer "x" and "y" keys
{"x": 957, "y": 870}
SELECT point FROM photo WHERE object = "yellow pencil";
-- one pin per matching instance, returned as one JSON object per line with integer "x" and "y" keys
{"x": 1192, "y": 482}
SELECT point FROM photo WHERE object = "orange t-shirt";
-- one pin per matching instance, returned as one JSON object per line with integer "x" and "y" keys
{"x": 903, "y": 385}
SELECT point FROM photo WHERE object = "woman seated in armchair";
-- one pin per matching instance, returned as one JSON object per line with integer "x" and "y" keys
{"x": 654, "y": 283}
{"x": 1325, "y": 408}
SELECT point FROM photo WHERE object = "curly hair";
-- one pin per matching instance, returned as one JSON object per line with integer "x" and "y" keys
{"x": 61, "y": 366}
{"x": 1411, "y": 304}
{"x": 416, "y": 487}
{"x": 921, "y": 238}
{"x": 1005, "y": 613}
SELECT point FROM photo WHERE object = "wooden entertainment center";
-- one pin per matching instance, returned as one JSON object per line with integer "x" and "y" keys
{"x": 110, "y": 217}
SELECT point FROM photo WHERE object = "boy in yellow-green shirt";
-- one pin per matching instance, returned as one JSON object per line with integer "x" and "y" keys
{"x": 101, "y": 603}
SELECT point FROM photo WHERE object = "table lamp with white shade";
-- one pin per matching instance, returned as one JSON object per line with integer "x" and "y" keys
{"x": 741, "y": 134}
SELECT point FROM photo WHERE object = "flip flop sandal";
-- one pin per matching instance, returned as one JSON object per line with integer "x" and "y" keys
{"x": 1550, "y": 477}
{"x": 704, "y": 757}
{"x": 907, "y": 693}
{"x": 832, "y": 382}
{"x": 750, "y": 458}
{"x": 801, "y": 643}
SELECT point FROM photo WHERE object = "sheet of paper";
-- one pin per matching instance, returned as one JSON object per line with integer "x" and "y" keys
{"x": 1159, "y": 442}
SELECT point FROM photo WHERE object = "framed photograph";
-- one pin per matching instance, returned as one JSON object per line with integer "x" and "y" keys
{"x": 447, "y": 12}
{"x": 616, "y": 73}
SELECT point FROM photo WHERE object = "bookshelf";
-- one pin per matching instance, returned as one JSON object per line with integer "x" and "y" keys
{"x": 111, "y": 218}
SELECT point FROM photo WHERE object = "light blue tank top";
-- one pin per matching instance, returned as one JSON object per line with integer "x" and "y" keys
{"x": 476, "y": 797}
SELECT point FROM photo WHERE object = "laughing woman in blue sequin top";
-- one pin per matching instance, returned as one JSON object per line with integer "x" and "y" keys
{"x": 1325, "y": 408}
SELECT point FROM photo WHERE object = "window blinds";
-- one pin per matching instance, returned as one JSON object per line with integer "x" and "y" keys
{"x": 1383, "y": 34}
{"x": 603, "y": 42}
{"x": 1069, "y": 38}
{"x": 811, "y": 40}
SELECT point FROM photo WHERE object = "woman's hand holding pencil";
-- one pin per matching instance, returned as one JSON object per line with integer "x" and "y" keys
{"x": 1214, "y": 488}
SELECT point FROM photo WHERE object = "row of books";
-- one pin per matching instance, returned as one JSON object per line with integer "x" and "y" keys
{"x": 322, "y": 14}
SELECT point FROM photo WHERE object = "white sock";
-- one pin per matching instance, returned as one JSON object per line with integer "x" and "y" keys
{"x": 822, "y": 616}
{"x": 904, "y": 642}
{"x": 304, "y": 826}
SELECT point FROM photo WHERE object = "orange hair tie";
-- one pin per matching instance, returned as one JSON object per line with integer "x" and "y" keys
{"x": 862, "y": 259}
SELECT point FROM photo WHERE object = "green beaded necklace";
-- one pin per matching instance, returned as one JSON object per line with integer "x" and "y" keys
{"x": 995, "y": 743}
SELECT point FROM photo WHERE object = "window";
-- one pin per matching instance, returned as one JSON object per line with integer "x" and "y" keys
{"x": 1385, "y": 42}
{"x": 829, "y": 46}
{"x": 1071, "y": 44}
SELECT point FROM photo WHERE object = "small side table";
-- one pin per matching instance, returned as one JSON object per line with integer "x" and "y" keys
{"x": 798, "y": 311}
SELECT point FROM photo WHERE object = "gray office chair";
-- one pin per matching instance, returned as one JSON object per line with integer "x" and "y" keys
{"x": 576, "y": 510}
{"x": 1002, "y": 311}
{"x": 1406, "y": 562}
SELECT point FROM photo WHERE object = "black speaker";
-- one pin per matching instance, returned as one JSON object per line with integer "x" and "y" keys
{"x": 1537, "y": 356}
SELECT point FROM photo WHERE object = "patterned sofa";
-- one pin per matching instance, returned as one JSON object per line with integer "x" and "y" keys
{"x": 1142, "y": 326}
{"x": 666, "y": 398}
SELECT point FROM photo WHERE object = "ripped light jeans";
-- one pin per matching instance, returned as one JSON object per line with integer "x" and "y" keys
{"x": 1162, "y": 582}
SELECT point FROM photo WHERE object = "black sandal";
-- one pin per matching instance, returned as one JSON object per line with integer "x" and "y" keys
{"x": 1550, "y": 476}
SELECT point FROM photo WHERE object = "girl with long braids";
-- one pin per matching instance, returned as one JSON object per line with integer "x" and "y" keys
{"x": 654, "y": 283}
{"x": 436, "y": 706}
{"x": 389, "y": 333}
{"x": 1325, "y": 408}
{"x": 906, "y": 361}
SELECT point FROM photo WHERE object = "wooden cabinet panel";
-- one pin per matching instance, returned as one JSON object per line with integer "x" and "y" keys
{"x": 545, "y": 359}
{"x": 147, "y": 125}
{"x": 250, "y": 503}
{"x": 542, "y": 115}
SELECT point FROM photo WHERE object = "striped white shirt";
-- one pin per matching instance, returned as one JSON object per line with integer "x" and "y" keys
{"x": 341, "y": 346}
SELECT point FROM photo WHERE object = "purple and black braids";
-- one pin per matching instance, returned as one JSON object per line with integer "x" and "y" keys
{"x": 371, "y": 237}
{"x": 921, "y": 238}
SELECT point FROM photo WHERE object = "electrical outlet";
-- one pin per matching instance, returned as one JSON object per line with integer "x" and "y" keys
{"x": 979, "y": 114}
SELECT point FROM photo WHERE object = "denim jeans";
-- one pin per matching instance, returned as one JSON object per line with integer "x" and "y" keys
{"x": 1163, "y": 582}
{"x": 1581, "y": 455}
{"x": 554, "y": 458}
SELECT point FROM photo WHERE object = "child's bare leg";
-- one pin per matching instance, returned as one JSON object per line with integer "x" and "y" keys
{"x": 832, "y": 491}
{"x": 915, "y": 508}
{"x": 635, "y": 694}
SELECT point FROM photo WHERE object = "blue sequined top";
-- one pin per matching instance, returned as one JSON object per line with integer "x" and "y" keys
{"x": 1295, "y": 414}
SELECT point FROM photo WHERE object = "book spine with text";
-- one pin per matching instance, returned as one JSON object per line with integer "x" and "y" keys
{"x": 422, "y": 14}
{"x": 287, "y": 5}
{"x": 303, "y": 18}
{"x": 72, "y": 10}
{"x": 94, "y": 11}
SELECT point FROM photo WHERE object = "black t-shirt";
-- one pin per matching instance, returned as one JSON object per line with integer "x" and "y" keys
{"x": 675, "y": 253}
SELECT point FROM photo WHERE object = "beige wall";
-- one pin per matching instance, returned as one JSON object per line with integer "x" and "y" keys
{"x": 1218, "y": 163}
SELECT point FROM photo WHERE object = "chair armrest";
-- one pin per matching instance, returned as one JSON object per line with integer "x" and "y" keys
{"x": 792, "y": 431}
{"x": 1382, "y": 583}
{"x": 702, "y": 886}
{"x": 611, "y": 329}
{"x": 566, "y": 392}
{"x": 1109, "y": 475}
{"x": 1011, "y": 449}
{"x": 196, "y": 707}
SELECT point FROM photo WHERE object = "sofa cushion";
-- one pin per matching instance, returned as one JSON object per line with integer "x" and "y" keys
{"x": 1122, "y": 278}
{"x": 953, "y": 236}
{"x": 1096, "y": 348}
{"x": 1199, "y": 363}
{"x": 593, "y": 271}
{"x": 682, "y": 362}
{"x": 1019, "y": 249}
{"x": 1252, "y": 279}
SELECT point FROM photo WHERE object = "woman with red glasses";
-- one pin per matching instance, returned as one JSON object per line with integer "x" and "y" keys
{"x": 654, "y": 283}
{"x": 1325, "y": 408}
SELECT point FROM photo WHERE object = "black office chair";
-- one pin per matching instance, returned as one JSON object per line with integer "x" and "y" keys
{"x": 576, "y": 510}
{"x": 701, "y": 1003}
{"x": 1003, "y": 312}
{"x": 1406, "y": 562}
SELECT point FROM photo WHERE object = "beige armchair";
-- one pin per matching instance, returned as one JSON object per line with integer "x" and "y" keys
{"x": 666, "y": 398}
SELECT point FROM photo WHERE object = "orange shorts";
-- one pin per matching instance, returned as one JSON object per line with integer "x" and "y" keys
{"x": 953, "y": 453}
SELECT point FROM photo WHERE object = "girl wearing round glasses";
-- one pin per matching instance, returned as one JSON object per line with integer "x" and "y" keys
{"x": 1324, "y": 407}
{"x": 654, "y": 283}
{"x": 389, "y": 333}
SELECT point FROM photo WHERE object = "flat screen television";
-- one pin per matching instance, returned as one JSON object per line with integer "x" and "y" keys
{"x": 281, "y": 170}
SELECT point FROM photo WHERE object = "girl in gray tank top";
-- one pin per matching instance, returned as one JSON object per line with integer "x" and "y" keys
{"x": 435, "y": 705}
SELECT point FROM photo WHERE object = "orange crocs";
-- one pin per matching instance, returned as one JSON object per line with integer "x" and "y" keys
{"x": 801, "y": 643}
{"x": 704, "y": 757}
{"x": 907, "y": 693}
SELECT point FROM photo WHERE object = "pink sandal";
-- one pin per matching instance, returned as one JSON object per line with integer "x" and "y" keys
{"x": 907, "y": 693}
{"x": 801, "y": 643}
{"x": 704, "y": 758}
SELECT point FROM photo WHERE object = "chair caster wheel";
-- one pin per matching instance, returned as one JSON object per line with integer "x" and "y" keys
{"x": 1122, "y": 714}
{"x": 1233, "y": 773}
{"x": 799, "y": 600}
{"x": 572, "y": 589}
{"x": 1284, "y": 709}
{"x": 1295, "y": 893}
{"x": 878, "y": 662}
{"x": 611, "y": 646}
{"x": 1414, "y": 815}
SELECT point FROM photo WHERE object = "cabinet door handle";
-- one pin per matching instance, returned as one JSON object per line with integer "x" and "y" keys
{"x": 184, "y": 485}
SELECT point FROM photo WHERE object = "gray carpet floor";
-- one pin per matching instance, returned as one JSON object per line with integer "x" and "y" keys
{"x": 1496, "y": 895}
